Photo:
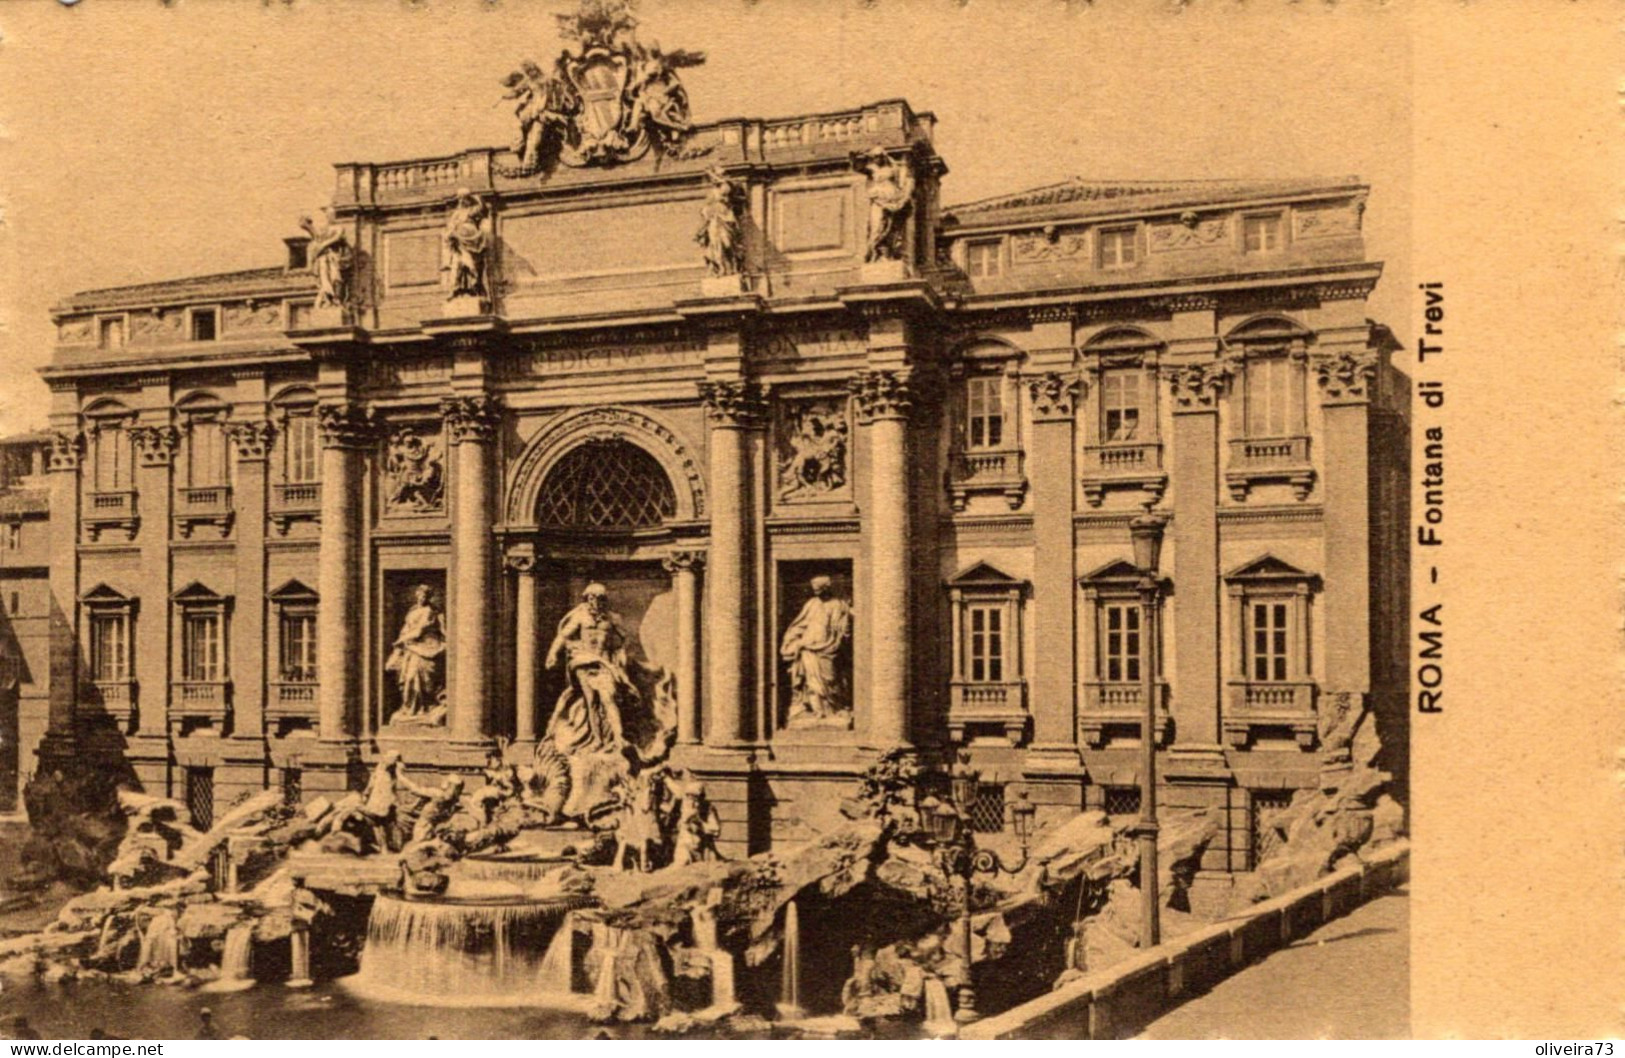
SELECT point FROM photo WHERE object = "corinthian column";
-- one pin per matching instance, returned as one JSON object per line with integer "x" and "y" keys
{"x": 734, "y": 408}
{"x": 471, "y": 425}
{"x": 883, "y": 399}
{"x": 524, "y": 640}
{"x": 346, "y": 433}
{"x": 684, "y": 567}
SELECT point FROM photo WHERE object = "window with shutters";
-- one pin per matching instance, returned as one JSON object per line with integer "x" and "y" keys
{"x": 1271, "y": 690}
{"x": 110, "y": 638}
{"x": 1269, "y": 408}
{"x": 987, "y": 689}
{"x": 1113, "y": 709}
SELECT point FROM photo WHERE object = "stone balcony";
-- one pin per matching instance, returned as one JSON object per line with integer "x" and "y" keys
{"x": 114, "y": 509}
{"x": 1252, "y": 709}
{"x": 291, "y": 700}
{"x": 1002, "y": 705}
{"x": 114, "y": 699}
{"x": 1256, "y": 459}
{"x": 986, "y": 470}
{"x": 1122, "y": 465}
{"x": 194, "y": 703}
{"x": 203, "y": 505}
{"x": 295, "y": 501}
{"x": 1119, "y": 708}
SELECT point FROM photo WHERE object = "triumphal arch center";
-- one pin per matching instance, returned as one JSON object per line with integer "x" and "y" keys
{"x": 728, "y": 443}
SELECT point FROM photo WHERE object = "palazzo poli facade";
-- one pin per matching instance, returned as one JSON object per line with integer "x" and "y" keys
{"x": 851, "y": 468}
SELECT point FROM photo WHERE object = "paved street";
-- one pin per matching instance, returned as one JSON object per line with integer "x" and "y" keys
{"x": 1348, "y": 980}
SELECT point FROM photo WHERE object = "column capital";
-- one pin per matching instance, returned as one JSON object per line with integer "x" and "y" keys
{"x": 519, "y": 562}
{"x": 1345, "y": 377}
{"x": 155, "y": 444}
{"x": 252, "y": 439}
{"x": 66, "y": 448}
{"x": 733, "y": 402}
{"x": 684, "y": 560}
{"x": 471, "y": 419}
{"x": 881, "y": 394}
{"x": 1054, "y": 395}
{"x": 344, "y": 425}
{"x": 1197, "y": 386}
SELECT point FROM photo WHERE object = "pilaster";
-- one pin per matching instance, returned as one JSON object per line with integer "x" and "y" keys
{"x": 1053, "y": 398}
{"x": 253, "y": 650}
{"x": 346, "y": 435}
{"x": 522, "y": 563}
{"x": 884, "y": 399}
{"x": 684, "y": 567}
{"x": 67, "y": 448}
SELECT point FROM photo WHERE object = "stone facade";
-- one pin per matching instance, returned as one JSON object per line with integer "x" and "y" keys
{"x": 255, "y": 492}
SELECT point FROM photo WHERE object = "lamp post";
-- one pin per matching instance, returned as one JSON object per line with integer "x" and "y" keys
{"x": 1146, "y": 532}
{"x": 958, "y": 856}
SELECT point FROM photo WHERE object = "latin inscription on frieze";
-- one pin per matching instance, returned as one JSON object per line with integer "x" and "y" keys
{"x": 807, "y": 345}
{"x": 566, "y": 360}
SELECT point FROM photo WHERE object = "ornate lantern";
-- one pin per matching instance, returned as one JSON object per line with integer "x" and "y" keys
{"x": 964, "y": 781}
{"x": 1146, "y": 532}
{"x": 1023, "y": 812}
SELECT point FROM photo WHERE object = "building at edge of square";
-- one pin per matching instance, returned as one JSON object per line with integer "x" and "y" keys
{"x": 209, "y": 558}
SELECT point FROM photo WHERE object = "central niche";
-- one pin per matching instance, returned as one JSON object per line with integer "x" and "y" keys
{"x": 607, "y": 485}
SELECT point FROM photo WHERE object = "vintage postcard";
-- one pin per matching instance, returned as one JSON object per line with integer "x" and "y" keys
{"x": 630, "y": 519}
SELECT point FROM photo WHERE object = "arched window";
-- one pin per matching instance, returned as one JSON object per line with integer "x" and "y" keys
{"x": 608, "y": 486}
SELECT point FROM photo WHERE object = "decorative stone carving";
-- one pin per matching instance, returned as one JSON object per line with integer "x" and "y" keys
{"x": 252, "y": 316}
{"x": 1053, "y": 395}
{"x": 155, "y": 445}
{"x": 519, "y": 563}
{"x": 1197, "y": 387}
{"x": 66, "y": 450}
{"x": 465, "y": 247}
{"x": 1184, "y": 303}
{"x": 415, "y": 472}
{"x": 344, "y": 425}
{"x": 891, "y": 194}
{"x": 607, "y": 100}
{"x": 881, "y": 395}
{"x": 733, "y": 402}
{"x": 1346, "y": 375}
{"x": 1314, "y": 222}
{"x": 569, "y": 431}
{"x": 1191, "y": 233}
{"x": 473, "y": 419}
{"x": 683, "y": 561}
{"x": 76, "y": 331}
{"x": 820, "y": 683}
{"x": 331, "y": 260}
{"x": 416, "y": 661}
{"x": 1032, "y": 247}
{"x": 251, "y": 439}
{"x": 719, "y": 234}
{"x": 159, "y": 325}
{"x": 813, "y": 449}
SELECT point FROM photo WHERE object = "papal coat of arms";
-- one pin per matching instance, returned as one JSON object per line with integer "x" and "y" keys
{"x": 608, "y": 99}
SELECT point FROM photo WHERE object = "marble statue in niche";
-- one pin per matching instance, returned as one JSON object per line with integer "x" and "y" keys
{"x": 416, "y": 660}
{"x": 719, "y": 233}
{"x": 820, "y": 689}
{"x": 465, "y": 246}
{"x": 891, "y": 193}
{"x": 813, "y": 449}
{"x": 329, "y": 258}
{"x": 414, "y": 471}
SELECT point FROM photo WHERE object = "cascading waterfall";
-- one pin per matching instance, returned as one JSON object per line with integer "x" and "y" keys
{"x": 236, "y": 961}
{"x": 160, "y": 945}
{"x": 498, "y": 869}
{"x": 704, "y": 919}
{"x": 939, "y": 1012}
{"x": 558, "y": 965}
{"x": 790, "y": 982}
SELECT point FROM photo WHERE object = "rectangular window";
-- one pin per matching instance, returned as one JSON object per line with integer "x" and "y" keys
{"x": 112, "y": 459}
{"x": 987, "y": 811}
{"x": 1262, "y": 234}
{"x": 1270, "y": 641}
{"x": 984, "y": 400}
{"x": 299, "y": 646}
{"x": 111, "y": 333}
{"x": 302, "y": 449}
{"x": 109, "y": 647}
{"x": 1116, "y": 247}
{"x": 205, "y": 325}
{"x": 202, "y": 648}
{"x": 987, "y": 644}
{"x": 1122, "y": 800}
{"x": 16, "y": 604}
{"x": 14, "y": 536}
{"x": 200, "y": 796}
{"x": 982, "y": 259}
{"x": 1120, "y": 405}
{"x": 1122, "y": 648}
{"x": 1270, "y": 398}
{"x": 299, "y": 313}
{"x": 207, "y": 462}
{"x": 293, "y": 786}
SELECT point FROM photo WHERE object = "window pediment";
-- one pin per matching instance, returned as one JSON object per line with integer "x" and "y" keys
{"x": 293, "y": 591}
{"x": 102, "y": 595}
{"x": 1267, "y": 569}
{"x": 197, "y": 593}
{"x": 982, "y": 575}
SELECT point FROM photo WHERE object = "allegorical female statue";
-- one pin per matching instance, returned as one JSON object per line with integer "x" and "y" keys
{"x": 891, "y": 192}
{"x": 465, "y": 246}
{"x": 415, "y": 659}
{"x": 328, "y": 256}
{"x": 592, "y": 648}
{"x": 812, "y": 644}
{"x": 719, "y": 234}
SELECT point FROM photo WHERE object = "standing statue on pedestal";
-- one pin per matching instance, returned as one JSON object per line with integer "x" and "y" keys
{"x": 592, "y": 648}
{"x": 415, "y": 661}
{"x": 719, "y": 233}
{"x": 891, "y": 193}
{"x": 819, "y": 694}
{"x": 329, "y": 258}
{"x": 465, "y": 246}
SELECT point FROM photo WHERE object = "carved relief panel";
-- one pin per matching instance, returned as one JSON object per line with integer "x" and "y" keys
{"x": 812, "y": 449}
{"x": 413, "y": 471}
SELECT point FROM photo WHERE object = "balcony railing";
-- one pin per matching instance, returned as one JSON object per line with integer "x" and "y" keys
{"x": 1119, "y": 707}
{"x": 116, "y": 698}
{"x": 1002, "y": 704}
{"x": 111, "y": 509}
{"x": 1119, "y": 464}
{"x": 291, "y": 698}
{"x": 986, "y": 470}
{"x": 293, "y": 501}
{"x": 203, "y": 505}
{"x": 1252, "y": 706}
{"x": 208, "y": 700}
{"x": 1254, "y": 459}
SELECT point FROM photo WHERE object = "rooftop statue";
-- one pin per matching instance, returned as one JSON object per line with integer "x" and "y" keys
{"x": 719, "y": 234}
{"x": 330, "y": 260}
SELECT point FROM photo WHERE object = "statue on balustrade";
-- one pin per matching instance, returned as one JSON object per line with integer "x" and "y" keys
{"x": 465, "y": 246}
{"x": 416, "y": 662}
{"x": 719, "y": 235}
{"x": 891, "y": 193}
{"x": 820, "y": 694}
{"x": 329, "y": 258}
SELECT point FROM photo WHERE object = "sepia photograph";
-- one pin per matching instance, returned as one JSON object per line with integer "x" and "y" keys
{"x": 629, "y": 519}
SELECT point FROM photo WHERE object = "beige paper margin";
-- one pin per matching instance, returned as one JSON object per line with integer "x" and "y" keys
{"x": 1516, "y": 898}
